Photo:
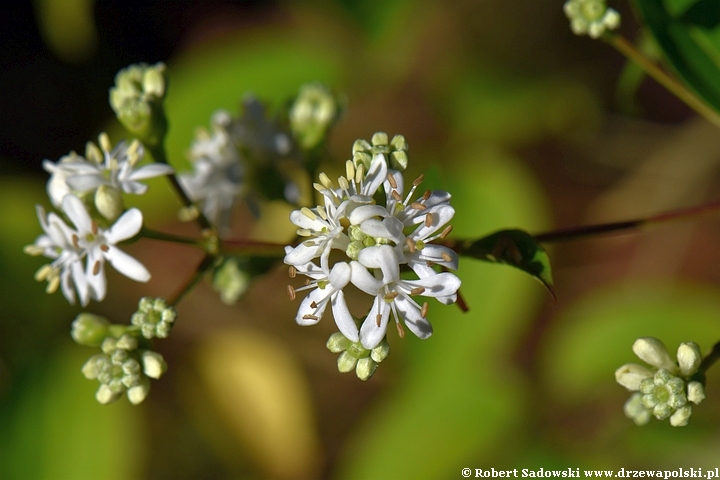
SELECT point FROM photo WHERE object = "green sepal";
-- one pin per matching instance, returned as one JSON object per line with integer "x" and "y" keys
{"x": 516, "y": 248}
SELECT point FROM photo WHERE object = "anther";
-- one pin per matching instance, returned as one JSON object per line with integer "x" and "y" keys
{"x": 350, "y": 169}
{"x": 75, "y": 241}
{"x": 313, "y": 305}
{"x": 446, "y": 232}
{"x": 53, "y": 285}
{"x": 418, "y": 206}
{"x": 343, "y": 183}
{"x": 424, "y": 310}
{"x": 390, "y": 296}
{"x": 428, "y": 219}
{"x": 418, "y": 180}
{"x": 417, "y": 291}
{"x": 291, "y": 292}
{"x": 94, "y": 227}
{"x": 396, "y": 196}
{"x": 104, "y": 248}
{"x": 309, "y": 317}
{"x": 359, "y": 173}
{"x": 446, "y": 256}
{"x": 292, "y": 271}
{"x": 308, "y": 281}
{"x": 426, "y": 195}
{"x": 391, "y": 180}
{"x": 378, "y": 319}
{"x": 410, "y": 245}
{"x": 303, "y": 232}
{"x": 96, "y": 268}
{"x": 308, "y": 213}
{"x": 325, "y": 180}
{"x": 400, "y": 330}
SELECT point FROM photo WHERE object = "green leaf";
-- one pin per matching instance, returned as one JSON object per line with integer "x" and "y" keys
{"x": 516, "y": 248}
{"x": 693, "y": 51}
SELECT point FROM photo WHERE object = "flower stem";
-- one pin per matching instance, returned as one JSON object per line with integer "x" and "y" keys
{"x": 618, "y": 227}
{"x": 252, "y": 247}
{"x": 169, "y": 237}
{"x": 205, "y": 264}
{"x": 711, "y": 358}
{"x": 158, "y": 153}
{"x": 676, "y": 88}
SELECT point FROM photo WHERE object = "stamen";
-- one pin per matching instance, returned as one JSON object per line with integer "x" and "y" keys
{"x": 313, "y": 305}
{"x": 418, "y": 180}
{"x": 309, "y": 317}
{"x": 430, "y": 263}
{"x": 378, "y": 319}
{"x": 33, "y": 250}
{"x": 350, "y": 169}
{"x": 410, "y": 245}
{"x": 104, "y": 248}
{"x": 291, "y": 292}
{"x": 96, "y": 268}
{"x": 304, "y": 232}
{"x": 75, "y": 241}
{"x": 426, "y": 195}
{"x": 94, "y": 227}
{"x": 400, "y": 330}
{"x": 417, "y": 291}
{"x": 390, "y": 296}
{"x": 359, "y": 173}
{"x": 321, "y": 212}
{"x": 308, "y": 281}
{"x": 292, "y": 271}
{"x": 343, "y": 183}
{"x": 308, "y": 213}
{"x": 325, "y": 180}
{"x": 43, "y": 272}
{"x": 391, "y": 180}
{"x": 396, "y": 196}
{"x": 53, "y": 285}
{"x": 320, "y": 188}
{"x": 418, "y": 206}
{"x": 428, "y": 219}
{"x": 446, "y": 256}
{"x": 424, "y": 310}
{"x": 446, "y": 232}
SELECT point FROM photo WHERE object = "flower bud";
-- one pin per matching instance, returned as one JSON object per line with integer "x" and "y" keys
{"x": 154, "y": 364}
{"x": 630, "y": 375}
{"x": 365, "y": 368}
{"x": 89, "y": 330}
{"x": 338, "y": 342}
{"x": 696, "y": 392}
{"x": 653, "y": 352}
{"x": 681, "y": 417}
{"x": 109, "y": 202}
{"x": 689, "y": 358}
{"x": 105, "y": 395}
{"x": 346, "y": 362}
{"x": 314, "y": 111}
{"x": 138, "y": 393}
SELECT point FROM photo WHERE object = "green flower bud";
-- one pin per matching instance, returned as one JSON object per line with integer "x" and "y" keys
{"x": 381, "y": 352}
{"x": 653, "y": 352}
{"x": 105, "y": 395}
{"x": 138, "y": 393}
{"x": 154, "y": 317}
{"x": 313, "y": 113}
{"x": 109, "y": 202}
{"x": 689, "y": 358}
{"x": 346, "y": 362}
{"x": 365, "y": 368}
{"x": 137, "y": 100}
{"x": 635, "y": 410}
{"x": 153, "y": 364}
{"x": 696, "y": 392}
{"x": 89, "y": 329}
{"x": 230, "y": 281}
{"x": 338, "y": 342}
{"x": 395, "y": 151}
{"x": 681, "y": 417}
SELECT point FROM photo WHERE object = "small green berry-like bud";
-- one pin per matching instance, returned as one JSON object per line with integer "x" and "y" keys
{"x": 127, "y": 342}
{"x": 109, "y": 202}
{"x": 89, "y": 329}
{"x": 365, "y": 368}
{"x": 313, "y": 113}
{"x": 689, "y": 358}
{"x": 154, "y": 317}
{"x": 338, "y": 342}
{"x": 630, "y": 375}
{"x": 153, "y": 364}
{"x": 230, "y": 281}
{"x": 105, "y": 395}
{"x": 139, "y": 392}
{"x": 137, "y": 100}
{"x": 346, "y": 362}
{"x": 696, "y": 392}
{"x": 381, "y": 352}
{"x": 635, "y": 410}
{"x": 681, "y": 417}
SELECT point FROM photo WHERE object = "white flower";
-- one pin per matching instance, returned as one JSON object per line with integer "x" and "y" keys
{"x": 393, "y": 294}
{"x": 98, "y": 245}
{"x": 323, "y": 227}
{"x": 591, "y": 17}
{"x": 217, "y": 180}
{"x": 327, "y": 288}
{"x": 66, "y": 269}
{"x": 111, "y": 167}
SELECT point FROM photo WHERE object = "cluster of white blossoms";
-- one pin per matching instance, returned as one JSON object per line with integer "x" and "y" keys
{"x": 88, "y": 191}
{"x": 667, "y": 389}
{"x": 368, "y": 230}
{"x": 591, "y": 17}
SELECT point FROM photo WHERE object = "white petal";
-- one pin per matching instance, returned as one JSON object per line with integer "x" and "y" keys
{"x": 382, "y": 257}
{"x": 340, "y": 275}
{"x": 412, "y": 317}
{"x": 434, "y": 253}
{"x": 127, "y": 226}
{"x": 67, "y": 288}
{"x": 85, "y": 183}
{"x": 298, "y": 218}
{"x": 389, "y": 227}
{"x": 376, "y": 175}
{"x": 127, "y": 265}
{"x": 440, "y": 216}
{"x": 301, "y": 255}
{"x": 75, "y": 210}
{"x": 96, "y": 282}
{"x": 371, "y": 334}
{"x": 81, "y": 283}
{"x": 318, "y": 297}
{"x": 150, "y": 171}
{"x": 136, "y": 188}
{"x": 363, "y": 212}
{"x": 343, "y": 318}
{"x": 364, "y": 280}
{"x": 438, "y": 285}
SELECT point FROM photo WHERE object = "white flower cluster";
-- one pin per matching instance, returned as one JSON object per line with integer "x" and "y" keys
{"x": 98, "y": 181}
{"x": 591, "y": 17}
{"x": 374, "y": 242}
{"x": 667, "y": 388}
